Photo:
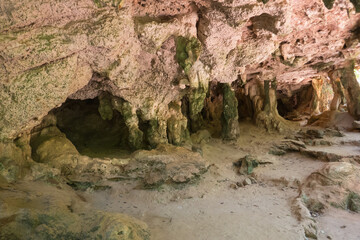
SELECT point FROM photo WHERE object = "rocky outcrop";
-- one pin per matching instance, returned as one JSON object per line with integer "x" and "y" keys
{"x": 141, "y": 51}
{"x": 42, "y": 211}
{"x": 338, "y": 181}
{"x": 166, "y": 164}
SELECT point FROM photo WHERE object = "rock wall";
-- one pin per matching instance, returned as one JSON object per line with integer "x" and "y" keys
{"x": 153, "y": 53}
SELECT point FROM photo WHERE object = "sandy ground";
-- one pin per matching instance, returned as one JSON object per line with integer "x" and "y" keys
{"x": 212, "y": 210}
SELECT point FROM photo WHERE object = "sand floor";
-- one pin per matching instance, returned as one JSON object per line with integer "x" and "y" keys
{"x": 212, "y": 210}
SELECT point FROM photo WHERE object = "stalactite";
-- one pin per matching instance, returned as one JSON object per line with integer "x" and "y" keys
{"x": 131, "y": 121}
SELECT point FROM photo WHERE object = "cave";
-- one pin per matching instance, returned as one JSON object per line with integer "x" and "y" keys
{"x": 296, "y": 107}
{"x": 92, "y": 135}
{"x": 191, "y": 119}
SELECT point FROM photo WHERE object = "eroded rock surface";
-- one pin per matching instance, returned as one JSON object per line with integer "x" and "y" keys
{"x": 42, "y": 211}
{"x": 140, "y": 51}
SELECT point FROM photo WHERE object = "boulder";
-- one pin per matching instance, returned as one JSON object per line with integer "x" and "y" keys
{"x": 50, "y": 212}
{"x": 166, "y": 164}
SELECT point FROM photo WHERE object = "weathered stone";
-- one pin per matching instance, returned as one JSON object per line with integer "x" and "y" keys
{"x": 105, "y": 107}
{"x": 314, "y": 133}
{"x": 356, "y": 124}
{"x": 287, "y": 146}
{"x": 48, "y": 212}
{"x": 247, "y": 181}
{"x": 166, "y": 163}
{"x": 187, "y": 52}
{"x": 52, "y": 147}
{"x": 334, "y": 184}
{"x": 352, "y": 89}
{"x": 104, "y": 39}
{"x": 131, "y": 120}
{"x": 246, "y": 164}
{"x": 156, "y": 133}
{"x": 230, "y": 115}
{"x": 200, "y": 137}
{"x": 177, "y": 126}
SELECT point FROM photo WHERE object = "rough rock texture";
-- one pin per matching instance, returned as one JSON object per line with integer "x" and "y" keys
{"x": 144, "y": 52}
{"x": 336, "y": 185}
{"x": 230, "y": 116}
{"x": 166, "y": 164}
{"x": 41, "y": 211}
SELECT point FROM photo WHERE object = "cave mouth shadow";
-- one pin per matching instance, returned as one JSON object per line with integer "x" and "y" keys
{"x": 92, "y": 136}
{"x": 297, "y": 107}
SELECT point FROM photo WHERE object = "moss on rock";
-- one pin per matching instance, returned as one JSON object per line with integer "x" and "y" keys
{"x": 156, "y": 133}
{"x": 105, "y": 107}
{"x": 230, "y": 125}
{"x": 33, "y": 93}
{"x": 187, "y": 51}
{"x": 136, "y": 136}
{"x": 196, "y": 104}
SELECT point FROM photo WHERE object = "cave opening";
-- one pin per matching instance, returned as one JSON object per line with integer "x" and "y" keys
{"x": 91, "y": 134}
{"x": 296, "y": 105}
{"x": 245, "y": 106}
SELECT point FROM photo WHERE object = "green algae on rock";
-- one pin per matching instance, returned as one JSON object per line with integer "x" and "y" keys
{"x": 187, "y": 51}
{"x": 230, "y": 115}
{"x": 105, "y": 107}
{"x": 132, "y": 122}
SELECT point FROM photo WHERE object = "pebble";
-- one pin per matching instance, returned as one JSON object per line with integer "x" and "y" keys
{"x": 247, "y": 181}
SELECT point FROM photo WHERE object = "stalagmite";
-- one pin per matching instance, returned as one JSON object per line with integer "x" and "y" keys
{"x": 230, "y": 115}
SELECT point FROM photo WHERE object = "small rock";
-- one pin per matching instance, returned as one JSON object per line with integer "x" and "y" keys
{"x": 234, "y": 186}
{"x": 200, "y": 137}
{"x": 253, "y": 180}
{"x": 315, "y": 133}
{"x": 239, "y": 184}
{"x": 247, "y": 181}
{"x": 333, "y": 133}
{"x": 197, "y": 148}
{"x": 356, "y": 124}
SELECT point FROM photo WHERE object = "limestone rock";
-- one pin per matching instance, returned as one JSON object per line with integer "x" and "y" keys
{"x": 287, "y": 146}
{"x": 339, "y": 182}
{"x": 200, "y": 137}
{"x": 247, "y": 181}
{"x": 166, "y": 164}
{"x": 59, "y": 214}
{"x": 230, "y": 115}
{"x": 246, "y": 165}
{"x": 53, "y": 50}
{"x": 356, "y": 124}
{"x": 52, "y": 147}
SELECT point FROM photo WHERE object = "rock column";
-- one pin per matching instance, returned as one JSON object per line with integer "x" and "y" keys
{"x": 230, "y": 115}
{"x": 352, "y": 89}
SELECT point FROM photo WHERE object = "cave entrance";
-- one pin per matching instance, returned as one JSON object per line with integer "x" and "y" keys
{"x": 307, "y": 101}
{"x": 296, "y": 105}
{"x": 245, "y": 106}
{"x": 93, "y": 136}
